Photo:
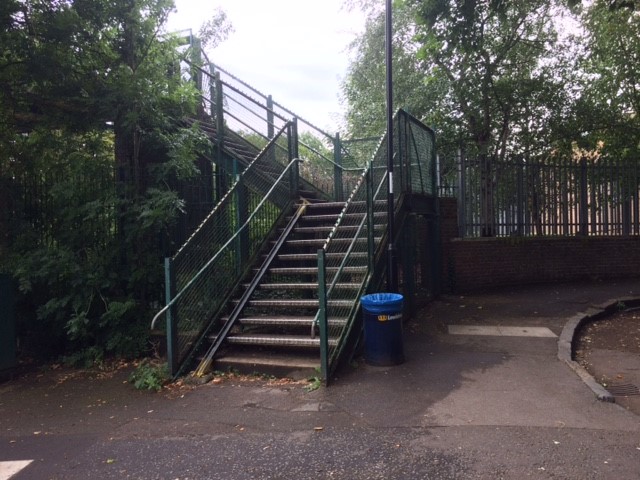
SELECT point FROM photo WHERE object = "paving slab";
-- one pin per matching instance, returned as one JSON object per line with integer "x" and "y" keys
{"x": 501, "y": 331}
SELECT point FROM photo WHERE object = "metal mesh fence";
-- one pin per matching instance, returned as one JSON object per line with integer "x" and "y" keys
{"x": 51, "y": 207}
{"x": 330, "y": 166}
{"x": 553, "y": 196}
{"x": 356, "y": 243}
{"x": 214, "y": 259}
{"x": 419, "y": 156}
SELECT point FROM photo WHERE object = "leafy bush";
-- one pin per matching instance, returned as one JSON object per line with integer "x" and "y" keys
{"x": 150, "y": 375}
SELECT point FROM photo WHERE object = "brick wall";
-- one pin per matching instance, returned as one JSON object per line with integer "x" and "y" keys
{"x": 481, "y": 263}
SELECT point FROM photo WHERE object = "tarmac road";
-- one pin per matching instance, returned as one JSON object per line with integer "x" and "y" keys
{"x": 460, "y": 407}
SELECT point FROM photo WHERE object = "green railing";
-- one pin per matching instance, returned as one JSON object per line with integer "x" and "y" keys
{"x": 203, "y": 274}
{"x": 355, "y": 247}
{"x": 328, "y": 165}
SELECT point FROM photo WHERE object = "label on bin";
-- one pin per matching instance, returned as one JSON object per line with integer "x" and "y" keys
{"x": 387, "y": 318}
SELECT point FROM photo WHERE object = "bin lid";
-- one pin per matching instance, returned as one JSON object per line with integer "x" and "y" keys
{"x": 380, "y": 299}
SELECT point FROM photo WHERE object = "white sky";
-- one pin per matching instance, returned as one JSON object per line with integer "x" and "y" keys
{"x": 295, "y": 50}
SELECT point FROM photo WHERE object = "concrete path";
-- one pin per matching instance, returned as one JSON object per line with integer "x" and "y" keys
{"x": 461, "y": 406}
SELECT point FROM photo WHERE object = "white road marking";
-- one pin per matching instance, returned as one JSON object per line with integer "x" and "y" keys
{"x": 501, "y": 331}
{"x": 9, "y": 469}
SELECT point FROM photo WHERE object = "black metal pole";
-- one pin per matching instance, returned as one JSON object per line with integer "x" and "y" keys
{"x": 392, "y": 274}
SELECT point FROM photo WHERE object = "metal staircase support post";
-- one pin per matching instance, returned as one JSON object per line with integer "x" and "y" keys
{"x": 403, "y": 162}
{"x": 221, "y": 180}
{"x": 293, "y": 154}
{"x": 271, "y": 128}
{"x": 242, "y": 214}
{"x": 408, "y": 257}
{"x": 436, "y": 246}
{"x": 270, "y": 119}
{"x": 212, "y": 88}
{"x": 171, "y": 318}
{"x": 370, "y": 219}
{"x": 196, "y": 56}
{"x": 322, "y": 317}
{"x": 338, "y": 193}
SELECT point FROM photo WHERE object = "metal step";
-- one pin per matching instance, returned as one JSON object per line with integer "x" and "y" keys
{"x": 297, "y": 365}
{"x": 302, "y": 257}
{"x": 302, "y": 286}
{"x": 320, "y": 218}
{"x": 325, "y": 229}
{"x": 326, "y": 205}
{"x": 319, "y": 242}
{"x": 319, "y": 229}
{"x": 300, "y": 321}
{"x": 314, "y": 270}
{"x": 331, "y": 219}
{"x": 295, "y": 303}
{"x": 300, "y": 341}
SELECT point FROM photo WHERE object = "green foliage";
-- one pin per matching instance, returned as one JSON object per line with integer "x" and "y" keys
{"x": 364, "y": 88}
{"x": 215, "y": 30}
{"x": 317, "y": 158}
{"x": 314, "y": 384}
{"x": 150, "y": 375}
{"x": 534, "y": 78}
{"x": 87, "y": 358}
{"x": 92, "y": 146}
{"x": 610, "y": 103}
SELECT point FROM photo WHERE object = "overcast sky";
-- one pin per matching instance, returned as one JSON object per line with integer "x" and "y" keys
{"x": 295, "y": 50}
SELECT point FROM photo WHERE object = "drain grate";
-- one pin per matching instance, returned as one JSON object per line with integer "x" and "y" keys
{"x": 623, "y": 390}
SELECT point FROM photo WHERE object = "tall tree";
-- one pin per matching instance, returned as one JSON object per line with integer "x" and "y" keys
{"x": 611, "y": 95}
{"x": 364, "y": 86}
{"x": 484, "y": 73}
{"x": 87, "y": 86}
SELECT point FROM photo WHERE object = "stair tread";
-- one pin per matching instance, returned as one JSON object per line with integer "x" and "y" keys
{"x": 288, "y": 302}
{"x": 287, "y": 321}
{"x": 321, "y": 241}
{"x": 314, "y": 270}
{"x": 326, "y": 205}
{"x": 297, "y": 365}
{"x": 301, "y": 286}
{"x": 314, "y": 256}
{"x": 277, "y": 340}
{"x": 270, "y": 358}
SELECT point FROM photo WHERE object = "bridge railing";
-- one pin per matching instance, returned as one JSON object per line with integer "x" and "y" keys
{"x": 202, "y": 275}
{"x": 328, "y": 164}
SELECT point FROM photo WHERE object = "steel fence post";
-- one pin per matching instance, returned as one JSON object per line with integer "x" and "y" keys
{"x": 584, "y": 198}
{"x": 322, "y": 319}
{"x": 171, "y": 318}
{"x": 338, "y": 194}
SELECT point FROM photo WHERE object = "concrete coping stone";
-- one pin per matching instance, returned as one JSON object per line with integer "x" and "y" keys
{"x": 567, "y": 339}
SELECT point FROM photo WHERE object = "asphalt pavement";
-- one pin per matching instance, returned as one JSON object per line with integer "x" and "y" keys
{"x": 485, "y": 392}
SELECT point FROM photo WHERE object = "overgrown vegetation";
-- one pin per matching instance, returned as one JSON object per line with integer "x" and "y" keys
{"x": 150, "y": 375}
{"x": 92, "y": 149}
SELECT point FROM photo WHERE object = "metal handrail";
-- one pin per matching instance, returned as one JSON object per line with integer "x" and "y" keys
{"x": 322, "y": 132}
{"x": 272, "y": 142}
{"x": 225, "y": 245}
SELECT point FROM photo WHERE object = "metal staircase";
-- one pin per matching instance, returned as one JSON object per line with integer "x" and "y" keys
{"x": 271, "y": 280}
{"x": 274, "y": 314}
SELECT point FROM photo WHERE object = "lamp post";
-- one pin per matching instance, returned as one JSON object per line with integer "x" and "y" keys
{"x": 392, "y": 273}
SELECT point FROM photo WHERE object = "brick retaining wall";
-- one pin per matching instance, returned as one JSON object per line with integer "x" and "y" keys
{"x": 481, "y": 263}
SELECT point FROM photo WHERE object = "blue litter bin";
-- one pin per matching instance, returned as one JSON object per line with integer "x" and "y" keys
{"x": 383, "y": 329}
